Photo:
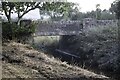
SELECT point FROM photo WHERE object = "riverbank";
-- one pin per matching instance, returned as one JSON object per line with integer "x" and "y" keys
{"x": 23, "y": 61}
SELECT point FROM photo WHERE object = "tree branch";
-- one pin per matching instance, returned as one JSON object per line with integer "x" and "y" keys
{"x": 36, "y": 6}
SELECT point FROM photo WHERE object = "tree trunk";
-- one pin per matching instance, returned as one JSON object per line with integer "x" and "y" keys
{"x": 9, "y": 19}
{"x": 18, "y": 22}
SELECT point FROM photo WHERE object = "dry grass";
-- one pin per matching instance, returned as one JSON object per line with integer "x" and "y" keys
{"x": 46, "y": 40}
{"x": 37, "y": 64}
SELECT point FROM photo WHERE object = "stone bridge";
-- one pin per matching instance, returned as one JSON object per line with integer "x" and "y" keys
{"x": 52, "y": 28}
{"x": 64, "y": 28}
{"x": 59, "y": 28}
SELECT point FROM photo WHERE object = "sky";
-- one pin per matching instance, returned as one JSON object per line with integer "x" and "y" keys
{"x": 85, "y": 5}
{"x": 88, "y": 5}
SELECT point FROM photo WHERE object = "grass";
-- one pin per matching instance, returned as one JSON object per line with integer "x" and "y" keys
{"x": 46, "y": 40}
{"x": 39, "y": 66}
{"x": 103, "y": 30}
{"x": 46, "y": 43}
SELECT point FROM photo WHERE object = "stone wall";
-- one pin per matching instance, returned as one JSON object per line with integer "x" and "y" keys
{"x": 69, "y": 27}
{"x": 92, "y": 23}
{"x": 59, "y": 28}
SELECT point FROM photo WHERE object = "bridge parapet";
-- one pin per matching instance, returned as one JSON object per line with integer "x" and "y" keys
{"x": 69, "y": 27}
{"x": 59, "y": 28}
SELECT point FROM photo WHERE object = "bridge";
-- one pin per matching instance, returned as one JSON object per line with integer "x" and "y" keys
{"x": 63, "y": 28}
{"x": 49, "y": 28}
{"x": 52, "y": 28}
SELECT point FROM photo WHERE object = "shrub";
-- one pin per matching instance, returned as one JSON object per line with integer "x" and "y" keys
{"x": 24, "y": 30}
{"x": 6, "y": 31}
{"x": 12, "y": 30}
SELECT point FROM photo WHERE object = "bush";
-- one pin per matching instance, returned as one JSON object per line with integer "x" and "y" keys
{"x": 6, "y": 31}
{"x": 24, "y": 30}
{"x": 12, "y": 30}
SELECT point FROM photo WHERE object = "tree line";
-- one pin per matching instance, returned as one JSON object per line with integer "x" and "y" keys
{"x": 57, "y": 10}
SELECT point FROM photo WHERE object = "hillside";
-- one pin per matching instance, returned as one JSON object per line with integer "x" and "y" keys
{"x": 23, "y": 61}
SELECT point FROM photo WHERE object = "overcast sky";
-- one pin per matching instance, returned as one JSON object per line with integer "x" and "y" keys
{"x": 85, "y": 5}
{"x": 88, "y": 5}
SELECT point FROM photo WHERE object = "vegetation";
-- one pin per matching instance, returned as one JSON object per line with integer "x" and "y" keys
{"x": 22, "y": 8}
{"x": 96, "y": 46}
{"x": 115, "y": 8}
{"x": 25, "y": 62}
{"x": 14, "y": 29}
{"x": 75, "y": 14}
